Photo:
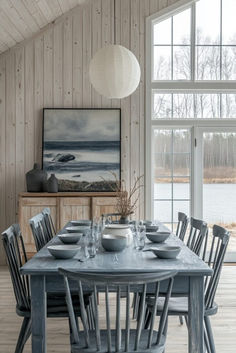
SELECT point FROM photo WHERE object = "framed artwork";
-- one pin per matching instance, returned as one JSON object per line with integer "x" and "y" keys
{"x": 82, "y": 148}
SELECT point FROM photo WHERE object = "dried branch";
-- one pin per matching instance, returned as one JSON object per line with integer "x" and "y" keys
{"x": 125, "y": 205}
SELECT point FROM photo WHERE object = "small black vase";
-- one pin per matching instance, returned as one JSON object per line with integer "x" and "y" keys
{"x": 52, "y": 184}
{"x": 35, "y": 179}
{"x": 124, "y": 220}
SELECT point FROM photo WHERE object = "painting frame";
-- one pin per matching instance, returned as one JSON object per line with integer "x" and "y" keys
{"x": 108, "y": 188}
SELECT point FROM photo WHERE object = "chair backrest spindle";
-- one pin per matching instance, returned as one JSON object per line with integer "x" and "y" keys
{"x": 109, "y": 344}
{"x": 140, "y": 316}
{"x": 118, "y": 332}
{"x": 98, "y": 337}
{"x": 127, "y": 328}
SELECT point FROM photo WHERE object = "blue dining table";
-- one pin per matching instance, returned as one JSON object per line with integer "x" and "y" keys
{"x": 44, "y": 277}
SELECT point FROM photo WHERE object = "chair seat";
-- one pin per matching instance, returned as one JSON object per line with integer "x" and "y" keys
{"x": 81, "y": 347}
{"x": 178, "y": 306}
{"x": 56, "y": 305}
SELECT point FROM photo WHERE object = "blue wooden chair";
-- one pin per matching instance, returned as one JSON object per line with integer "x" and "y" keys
{"x": 198, "y": 237}
{"x": 42, "y": 227}
{"x": 179, "y": 305}
{"x": 49, "y": 227}
{"x": 56, "y": 304}
{"x": 182, "y": 225}
{"x": 118, "y": 340}
{"x": 39, "y": 232}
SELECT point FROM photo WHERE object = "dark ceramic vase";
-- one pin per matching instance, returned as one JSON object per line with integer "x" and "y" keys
{"x": 124, "y": 220}
{"x": 52, "y": 183}
{"x": 35, "y": 179}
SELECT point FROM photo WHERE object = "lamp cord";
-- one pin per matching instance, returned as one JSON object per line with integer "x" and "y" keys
{"x": 114, "y": 21}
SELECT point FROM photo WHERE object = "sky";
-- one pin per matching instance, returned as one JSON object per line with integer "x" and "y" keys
{"x": 81, "y": 125}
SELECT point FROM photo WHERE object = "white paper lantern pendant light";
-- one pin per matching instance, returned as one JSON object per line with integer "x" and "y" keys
{"x": 114, "y": 70}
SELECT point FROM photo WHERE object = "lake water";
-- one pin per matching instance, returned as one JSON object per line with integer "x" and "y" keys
{"x": 219, "y": 201}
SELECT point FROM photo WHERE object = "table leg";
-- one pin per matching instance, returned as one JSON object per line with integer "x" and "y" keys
{"x": 38, "y": 314}
{"x": 195, "y": 314}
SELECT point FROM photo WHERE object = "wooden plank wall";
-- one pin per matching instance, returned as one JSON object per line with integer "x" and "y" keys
{"x": 51, "y": 70}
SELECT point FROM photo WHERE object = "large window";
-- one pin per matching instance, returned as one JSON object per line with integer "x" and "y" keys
{"x": 191, "y": 113}
{"x": 196, "y": 43}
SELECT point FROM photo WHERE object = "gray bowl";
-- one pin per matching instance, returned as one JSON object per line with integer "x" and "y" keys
{"x": 157, "y": 237}
{"x": 71, "y": 238}
{"x": 114, "y": 243}
{"x": 151, "y": 228}
{"x": 167, "y": 252}
{"x": 63, "y": 251}
{"x": 84, "y": 222}
{"x": 147, "y": 223}
{"x": 78, "y": 229}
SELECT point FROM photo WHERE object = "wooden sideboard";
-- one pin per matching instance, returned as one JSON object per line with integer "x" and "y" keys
{"x": 64, "y": 206}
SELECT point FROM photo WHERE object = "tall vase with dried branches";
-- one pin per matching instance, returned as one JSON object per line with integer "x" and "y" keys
{"x": 127, "y": 200}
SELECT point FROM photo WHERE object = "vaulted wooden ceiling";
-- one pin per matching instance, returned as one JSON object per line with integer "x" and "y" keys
{"x": 20, "y": 19}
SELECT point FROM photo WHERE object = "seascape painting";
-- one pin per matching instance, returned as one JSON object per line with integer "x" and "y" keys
{"x": 82, "y": 148}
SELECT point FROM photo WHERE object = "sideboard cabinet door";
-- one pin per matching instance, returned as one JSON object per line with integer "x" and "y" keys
{"x": 74, "y": 208}
{"x": 29, "y": 207}
{"x": 101, "y": 205}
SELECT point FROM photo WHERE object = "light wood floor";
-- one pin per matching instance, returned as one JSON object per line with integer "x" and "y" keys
{"x": 224, "y": 324}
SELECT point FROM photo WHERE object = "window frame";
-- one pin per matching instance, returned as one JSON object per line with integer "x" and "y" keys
{"x": 178, "y": 86}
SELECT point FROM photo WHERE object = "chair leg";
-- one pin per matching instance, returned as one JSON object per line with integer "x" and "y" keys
{"x": 207, "y": 348}
{"x": 148, "y": 316}
{"x": 24, "y": 334}
{"x": 181, "y": 321}
{"x": 186, "y": 320}
{"x": 70, "y": 330}
{"x": 136, "y": 306}
{"x": 209, "y": 334}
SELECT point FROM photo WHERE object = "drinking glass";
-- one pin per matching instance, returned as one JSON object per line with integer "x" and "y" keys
{"x": 96, "y": 233}
{"x": 92, "y": 247}
{"x": 134, "y": 230}
{"x": 141, "y": 236}
{"x": 85, "y": 245}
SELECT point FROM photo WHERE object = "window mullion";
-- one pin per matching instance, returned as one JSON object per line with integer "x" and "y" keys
{"x": 193, "y": 40}
{"x": 221, "y": 40}
{"x": 172, "y": 49}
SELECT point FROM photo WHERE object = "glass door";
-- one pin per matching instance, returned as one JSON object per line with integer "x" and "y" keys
{"x": 194, "y": 171}
{"x": 171, "y": 174}
{"x": 217, "y": 173}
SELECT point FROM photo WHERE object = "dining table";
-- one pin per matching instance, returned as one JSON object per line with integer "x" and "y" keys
{"x": 42, "y": 269}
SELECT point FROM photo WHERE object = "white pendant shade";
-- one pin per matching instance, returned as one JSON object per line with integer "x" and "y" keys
{"x": 114, "y": 72}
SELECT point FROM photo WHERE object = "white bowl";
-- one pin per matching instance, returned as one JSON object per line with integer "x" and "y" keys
{"x": 119, "y": 230}
{"x": 167, "y": 252}
{"x": 114, "y": 243}
{"x": 78, "y": 229}
{"x": 84, "y": 222}
{"x": 71, "y": 238}
{"x": 63, "y": 251}
{"x": 157, "y": 237}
